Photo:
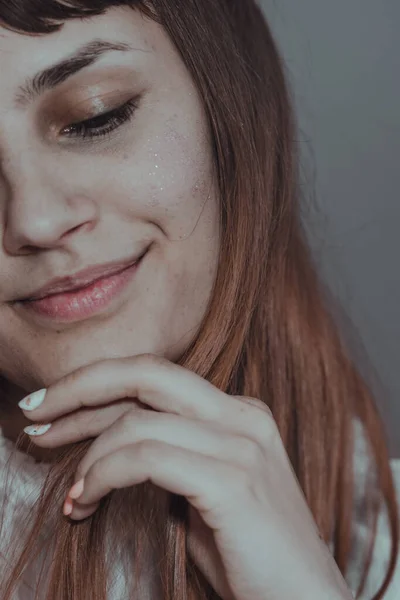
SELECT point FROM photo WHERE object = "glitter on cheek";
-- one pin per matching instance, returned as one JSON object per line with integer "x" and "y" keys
{"x": 178, "y": 163}
{"x": 164, "y": 179}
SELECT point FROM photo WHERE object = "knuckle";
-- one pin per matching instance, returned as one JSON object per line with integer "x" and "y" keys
{"x": 266, "y": 429}
{"x": 149, "y": 360}
{"x": 146, "y": 451}
{"x": 126, "y": 421}
{"x": 267, "y": 419}
{"x": 268, "y": 425}
{"x": 142, "y": 448}
{"x": 257, "y": 403}
{"x": 154, "y": 447}
{"x": 265, "y": 426}
{"x": 251, "y": 452}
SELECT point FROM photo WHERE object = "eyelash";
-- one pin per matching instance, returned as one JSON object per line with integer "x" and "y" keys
{"x": 110, "y": 120}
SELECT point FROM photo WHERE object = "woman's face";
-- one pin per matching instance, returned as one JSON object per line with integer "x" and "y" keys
{"x": 69, "y": 201}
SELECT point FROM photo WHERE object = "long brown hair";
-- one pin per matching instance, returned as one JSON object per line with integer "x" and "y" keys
{"x": 268, "y": 332}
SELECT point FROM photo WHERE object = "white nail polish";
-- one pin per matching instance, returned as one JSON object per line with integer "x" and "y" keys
{"x": 33, "y": 400}
{"x": 37, "y": 429}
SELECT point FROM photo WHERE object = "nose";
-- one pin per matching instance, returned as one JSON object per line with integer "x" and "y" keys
{"x": 41, "y": 213}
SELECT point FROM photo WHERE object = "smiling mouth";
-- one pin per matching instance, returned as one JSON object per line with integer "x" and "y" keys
{"x": 81, "y": 303}
{"x": 80, "y": 288}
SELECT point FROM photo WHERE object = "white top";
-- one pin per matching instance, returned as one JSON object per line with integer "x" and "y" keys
{"x": 28, "y": 476}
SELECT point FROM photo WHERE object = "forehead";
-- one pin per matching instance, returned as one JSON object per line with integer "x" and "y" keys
{"x": 22, "y": 56}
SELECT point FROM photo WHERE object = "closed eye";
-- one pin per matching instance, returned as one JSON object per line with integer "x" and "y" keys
{"x": 103, "y": 124}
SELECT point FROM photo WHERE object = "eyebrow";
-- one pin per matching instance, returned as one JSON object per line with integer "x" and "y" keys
{"x": 49, "y": 78}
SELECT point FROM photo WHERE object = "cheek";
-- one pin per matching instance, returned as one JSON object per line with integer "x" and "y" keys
{"x": 171, "y": 178}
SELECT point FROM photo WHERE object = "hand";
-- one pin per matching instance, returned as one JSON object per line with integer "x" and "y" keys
{"x": 223, "y": 453}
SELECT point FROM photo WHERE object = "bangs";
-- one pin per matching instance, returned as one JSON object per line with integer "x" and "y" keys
{"x": 47, "y": 16}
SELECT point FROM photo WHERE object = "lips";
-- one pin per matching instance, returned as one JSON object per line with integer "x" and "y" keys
{"x": 82, "y": 279}
{"x": 102, "y": 296}
{"x": 68, "y": 289}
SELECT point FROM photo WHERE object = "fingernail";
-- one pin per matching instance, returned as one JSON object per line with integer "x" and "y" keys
{"x": 33, "y": 400}
{"x": 76, "y": 489}
{"x": 68, "y": 506}
{"x": 37, "y": 429}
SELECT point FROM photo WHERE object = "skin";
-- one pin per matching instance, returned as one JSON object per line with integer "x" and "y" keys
{"x": 68, "y": 203}
{"x": 113, "y": 378}
{"x": 250, "y": 529}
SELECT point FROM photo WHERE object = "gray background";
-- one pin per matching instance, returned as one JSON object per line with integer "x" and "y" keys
{"x": 342, "y": 60}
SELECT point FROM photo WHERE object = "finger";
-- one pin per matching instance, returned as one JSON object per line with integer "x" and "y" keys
{"x": 82, "y": 424}
{"x": 196, "y": 436}
{"x": 207, "y": 483}
{"x": 157, "y": 383}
